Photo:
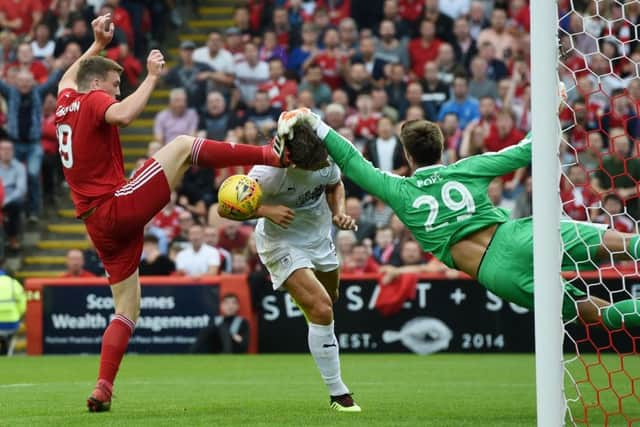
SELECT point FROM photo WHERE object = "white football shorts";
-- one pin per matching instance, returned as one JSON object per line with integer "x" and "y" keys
{"x": 283, "y": 258}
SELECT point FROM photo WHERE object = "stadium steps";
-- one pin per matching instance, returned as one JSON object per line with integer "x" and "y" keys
{"x": 67, "y": 228}
{"x": 60, "y": 231}
{"x": 63, "y": 244}
{"x": 47, "y": 260}
{"x": 38, "y": 274}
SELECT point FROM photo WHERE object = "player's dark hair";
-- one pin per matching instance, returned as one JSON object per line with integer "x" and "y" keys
{"x": 306, "y": 150}
{"x": 95, "y": 67}
{"x": 423, "y": 141}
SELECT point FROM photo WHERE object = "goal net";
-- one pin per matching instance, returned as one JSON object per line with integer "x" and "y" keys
{"x": 599, "y": 65}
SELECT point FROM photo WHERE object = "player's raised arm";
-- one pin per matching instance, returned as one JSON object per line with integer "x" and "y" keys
{"x": 375, "y": 182}
{"x": 499, "y": 163}
{"x": 278, "y": 214}
{"x": 124, "y": 112}
{"x": 103, "y": 30}
{"x": 336, "y": 200}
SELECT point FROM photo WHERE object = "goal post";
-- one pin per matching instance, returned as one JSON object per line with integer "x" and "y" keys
{"x": 586, "y": 168}
{"x": 546, "y": 214}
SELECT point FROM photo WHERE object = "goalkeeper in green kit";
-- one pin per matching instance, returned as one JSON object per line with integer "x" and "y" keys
{"x": 449, "y": 213}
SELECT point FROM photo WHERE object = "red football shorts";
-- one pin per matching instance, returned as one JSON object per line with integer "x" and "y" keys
{"x": 116, "y": 227}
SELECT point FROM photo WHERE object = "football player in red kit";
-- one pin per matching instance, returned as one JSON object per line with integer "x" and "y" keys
{"x": 115, "y": 210}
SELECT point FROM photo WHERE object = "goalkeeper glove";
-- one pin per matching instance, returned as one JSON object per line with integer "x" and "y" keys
{"x": 289, "y": 119}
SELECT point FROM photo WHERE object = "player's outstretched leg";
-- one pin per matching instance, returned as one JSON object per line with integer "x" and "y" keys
{"x": 622, "y": 246}
{"x": 178, "y": 155}
{"x": 313, "y": 299}
{"x": 126, "y": 297}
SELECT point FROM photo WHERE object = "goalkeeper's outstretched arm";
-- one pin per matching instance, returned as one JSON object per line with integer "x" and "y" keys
{"x": 499, "y": 163}
{"x": 371, "y": 179}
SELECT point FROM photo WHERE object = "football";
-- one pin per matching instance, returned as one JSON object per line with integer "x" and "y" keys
{"x": 239, "y": 197}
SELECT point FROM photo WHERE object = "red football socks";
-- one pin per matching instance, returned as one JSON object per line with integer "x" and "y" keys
{"x": 219, "y": 154}
{"x": 114, "y": 345}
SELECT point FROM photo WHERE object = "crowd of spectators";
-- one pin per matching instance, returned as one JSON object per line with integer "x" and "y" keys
{"x": 366, "y": 67}
{"x": 38, "y": 40}
{"x": 463, "y": 64}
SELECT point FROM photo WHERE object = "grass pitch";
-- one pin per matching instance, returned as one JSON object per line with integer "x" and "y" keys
{"x": 273, "y": 390}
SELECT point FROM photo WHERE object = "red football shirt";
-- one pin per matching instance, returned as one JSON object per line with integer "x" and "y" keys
{"x": 169, "y": 221}
{"x": 576, "y": 201}
{"x": 279, "y": 91}
{"x": 411, "y": 10}
{"x": 493, "y": 142}
{"x": 330, "y": 65}
{"x": 22, "y": 9}
{"x": 421, "y": 54}
{"x": 89, "y": 147}
{"x": 37, "y": 68}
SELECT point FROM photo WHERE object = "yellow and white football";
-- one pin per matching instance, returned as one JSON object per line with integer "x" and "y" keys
{"x": 239, "y": 197}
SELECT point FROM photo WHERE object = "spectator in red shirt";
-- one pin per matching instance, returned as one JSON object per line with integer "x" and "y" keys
{"x": 75, "y": 265}
{"x": 613, "y": 215}
{"x": 122, "y": 20}
{"x": 233, "y": 235}
{"x": 338, "y": 9}
{"x": 51, "y": 164}
{"x": 365, "y": 122}
{"x": 425, "y": 48}
{"x": 120, "y": 50}
{"x": 578, "y": 196}
{"x": 278, "y": 87}
{"x": 332, "y": 61}
{"x": 168, "y": 219}
{"x": 411, "y": 10}
{"x": 24, "y": 61}
{"x": 519, "y": 13}
{"x": 20, "y": 16}
{"x": 359, "y": 261}
{"x": 505, "y": 134}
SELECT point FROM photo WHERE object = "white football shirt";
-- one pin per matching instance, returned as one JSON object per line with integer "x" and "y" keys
{"x": 197, "y": 263}
{"x": 302, "y": 191}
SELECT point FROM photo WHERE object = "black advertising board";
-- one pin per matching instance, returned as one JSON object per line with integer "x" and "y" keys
{"x": 74, "y": 317}
{"x": 457, "y": 316}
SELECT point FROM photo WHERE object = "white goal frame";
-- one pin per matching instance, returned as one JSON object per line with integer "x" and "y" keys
{"x": 547, "y": 253}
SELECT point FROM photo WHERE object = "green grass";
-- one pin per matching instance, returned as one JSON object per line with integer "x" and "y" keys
{"x": 397, "y": 390}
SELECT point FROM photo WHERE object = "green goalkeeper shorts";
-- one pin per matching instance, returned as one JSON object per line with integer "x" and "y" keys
{"x": 507, "y": 266}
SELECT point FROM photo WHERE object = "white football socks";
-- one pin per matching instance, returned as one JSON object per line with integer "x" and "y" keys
{"x": 324, "y": 349}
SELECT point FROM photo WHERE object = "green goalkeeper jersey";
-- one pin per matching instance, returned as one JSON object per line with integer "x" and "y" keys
{"x": 439, "y": 204}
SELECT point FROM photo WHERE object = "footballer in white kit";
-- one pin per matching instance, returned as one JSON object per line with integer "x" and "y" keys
{"x": 306, "y": 242}
{"x": 293, "y": 238}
